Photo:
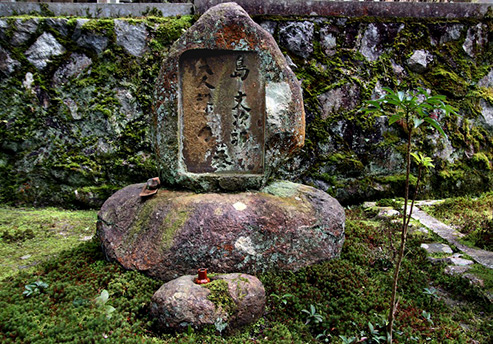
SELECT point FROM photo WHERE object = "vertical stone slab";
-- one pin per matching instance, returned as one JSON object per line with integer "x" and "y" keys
{"x": 223, "y": 112}
{"x": 228, "y": 110}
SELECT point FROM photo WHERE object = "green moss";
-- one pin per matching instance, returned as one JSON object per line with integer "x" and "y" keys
{"x": 103, "y": 26}
{"x": 481, "y": 161}
{"x": 220, "y": 296}
{"x": 282, "y": 189}
{"x": 173, "y": 222}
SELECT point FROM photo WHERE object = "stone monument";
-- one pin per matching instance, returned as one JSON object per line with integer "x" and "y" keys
{"x": 228, "y": 112}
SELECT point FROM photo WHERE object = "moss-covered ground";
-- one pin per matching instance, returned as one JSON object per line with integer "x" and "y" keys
{"x": 349, "y": 295}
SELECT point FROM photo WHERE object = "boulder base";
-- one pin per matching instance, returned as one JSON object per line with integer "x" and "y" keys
{"x": 284, "y": 226}
{"x": 232, "y": 299}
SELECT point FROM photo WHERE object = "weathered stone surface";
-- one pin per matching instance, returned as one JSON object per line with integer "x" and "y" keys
{"x": 419, "y": 61}
{"x": 131, "y": 37}
{"x": 452, "y": 33}
{"x": 7, "y": 64}
{"x": 59, "y": 24}
{"x": 100, "y": 10}
{"x": 487, "y": 81}
{"x": 242, "y": 115}
{"x": 342, "y": 98}
{"x": 328, "y": 41}
{"x": 456, "y": 269}
{"x": 269, "y": 26}
{"x": 476, "y": 39}
{"x": 486, "y": 117}
{"x": 284, "y": 226}
{"x": 298, "y": 38}
{"x": 459, "y": 261}
{"x": 386, "y": 212}
{"x": 357, "y": 9}
{"x": 376, "y": 37}
{"x": 369, "y": 43}
{"x": 3, "y": 27}
{"x": 437, "y": 248}
{"x": 73, "y": 108}
{"x": 180, "y": 302}
{"x": 45, "y": 47}
{"x": 97, "y": 42}
{"x": 72, "y": 67}
{"x": 25, "y": 28}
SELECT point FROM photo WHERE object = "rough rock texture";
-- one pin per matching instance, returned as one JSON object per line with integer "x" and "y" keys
{"x": 226, "y": 28}
{"x": 74, "y": 66}
{"x": 419, "y": 61}
{"x": 437, "y": 248}
{"x": 376, "y": 39}
{"x": 7, "y": 64}
{"x": 476, "y": 40}
{"x": 486, "y": 115}
{"x": 342, "y": 98}
{"x": 131, "y": 37}
{"x": 298, "y": 38}
{"x": 59, "y": 24}
{"x": 76, "y": 141}
{"x": 3, "y": 27}
{"x": 25, "y": 28}
{"x": 285, "y": 226}
{"x": 180, "y": 302}
{"x": 487, "y": 81}
{"x": 87, "y": 39}
{"x": 45, "y": 47}
{"x": 328, "y": 41}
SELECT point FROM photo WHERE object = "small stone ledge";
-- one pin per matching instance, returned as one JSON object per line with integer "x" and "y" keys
{"x": 354, "y": 8}
{"x": 93, "y": 10}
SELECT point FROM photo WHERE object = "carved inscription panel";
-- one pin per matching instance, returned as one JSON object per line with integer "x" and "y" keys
{"x": 223, "y": 112}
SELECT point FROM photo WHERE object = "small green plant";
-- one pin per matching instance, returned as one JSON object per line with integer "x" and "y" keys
{"x": 427, "y": 317}
{"x": 325, "y": 336}
{"x": 313, "y": 316}
{"x": 220, "y": 325}
{"x": 34, "y": 288}
{"x": 374, "y": 334}
{"x": 347, "y": 340}
{"x": 410, "y": 110}
{"x": 283, "y": 300}
{"x": 101, "y": 302}
{"x": 431, "y": 291}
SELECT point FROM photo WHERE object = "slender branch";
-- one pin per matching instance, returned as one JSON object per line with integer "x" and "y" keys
{"x": 405, "y": 222}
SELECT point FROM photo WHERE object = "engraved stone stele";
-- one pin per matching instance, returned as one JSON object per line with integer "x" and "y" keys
{"x": 228, "y": 110}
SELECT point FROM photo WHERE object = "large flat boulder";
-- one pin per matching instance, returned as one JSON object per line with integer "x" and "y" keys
{"x": 173, "y": 233}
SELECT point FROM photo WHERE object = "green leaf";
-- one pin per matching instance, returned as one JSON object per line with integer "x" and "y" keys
{"x": 435, "y": 125}
{"x": 101, "y": 299}
{"x": 394, "y": 118}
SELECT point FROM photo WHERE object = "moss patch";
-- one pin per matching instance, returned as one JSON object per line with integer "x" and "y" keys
{"x": 220, "y": 296}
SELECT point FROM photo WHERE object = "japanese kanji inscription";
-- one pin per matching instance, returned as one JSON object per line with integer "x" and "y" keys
{"x": 223, "y": 112}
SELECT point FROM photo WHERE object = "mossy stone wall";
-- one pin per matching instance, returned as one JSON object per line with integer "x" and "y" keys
{"x": 77, "y": 129}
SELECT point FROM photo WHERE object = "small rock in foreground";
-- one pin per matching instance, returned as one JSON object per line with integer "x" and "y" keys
{"x": 227, "y": 302}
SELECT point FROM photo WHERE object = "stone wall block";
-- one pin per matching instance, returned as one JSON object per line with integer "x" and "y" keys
{"x": 24, "y": 30}
{"x": 72, "y": 67}
{"x": 419, "y": 61}
{"x": 45, "y": 47}
{"x": 131, "y": 37}
{"x": 7, "y": 64}
{"x": 95, "y": 41}
{"x": 297, "y": 37}
{"x": 476, "y": 39}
